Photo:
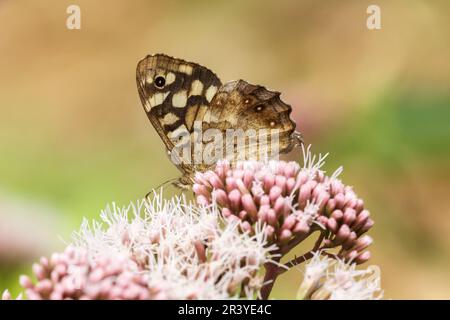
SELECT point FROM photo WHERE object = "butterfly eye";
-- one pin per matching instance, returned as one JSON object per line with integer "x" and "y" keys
{"x": 160, "y": 82}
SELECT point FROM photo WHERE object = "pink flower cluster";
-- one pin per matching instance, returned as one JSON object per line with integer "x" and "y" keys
{"x": 70, "y": 275}
{"x": 293, "y": 201}
{"x": 153, "y": 249}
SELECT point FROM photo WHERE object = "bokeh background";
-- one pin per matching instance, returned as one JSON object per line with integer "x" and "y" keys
{"x": 74, "y": 137}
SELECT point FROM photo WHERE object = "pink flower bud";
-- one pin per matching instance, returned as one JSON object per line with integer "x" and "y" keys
{"x": 359, "y": 205}
{"x": 262, "y": 213}
{"x": 290, "y": 183}
{"x": 248, "y": 179}
{"x": 216, "y": 182}
{"x": 361, "y": 219}
{"x": 340, "y": 200}
{"x": 351, "y": 256}
{"x": 241, "y": 186}
{"x": 230, "y": 184}
{"x": 278, "y": 206}
{"x": 331, "y": 205}
{"x": 304, "y": 195}
{"x": 272, "y": 218}
{"x": 202, "y": 200}
{"x": 337, "y": 215}
{"x": 363, "y": 243}
{"x": 265, "y": 200}
{"x": 221, "y": 197}
{"x": 25, "y": 282}
{"x": 285, "y": 236}
{"x": 301, "y": 228}
{"x": 290, "y": 170}
{"x": 280, "y": 181}
{"x": 342, "y": 234}
{"x": 350, "y": 242}
{"x": 363, "y": 257}
{"x": 349, "y": 216}
{"x": 243, "y": 215}
{"x": 249, "y": 205}
{"x": 322, "y": 220}
{"x": 201, "y": 190}
{"x": 226, "y": 212}
{"x": 269, "y": 182}
{"x": 246, "y": 227}
{"x": 235, "y": 200}
{"x": 289, "y": 222}
{"x": 332, "y": 225}
{"x": 270, "y": 231}
{"x": 39, "y": 271}
{"x": 369, "y": 224}
{"x": 44, "y": 287}
{"x": 275, "y": 192}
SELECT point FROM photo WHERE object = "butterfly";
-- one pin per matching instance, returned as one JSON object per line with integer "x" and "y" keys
{"x": 187, "y": 104}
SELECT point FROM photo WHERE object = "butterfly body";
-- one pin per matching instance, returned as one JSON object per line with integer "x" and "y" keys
{"x": 185, "y": 102}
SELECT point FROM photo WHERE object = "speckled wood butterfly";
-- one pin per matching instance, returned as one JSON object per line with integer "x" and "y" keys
{"x": 188, "y": 105}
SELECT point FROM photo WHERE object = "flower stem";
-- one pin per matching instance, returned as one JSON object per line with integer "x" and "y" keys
{"x": 269, "y": 278}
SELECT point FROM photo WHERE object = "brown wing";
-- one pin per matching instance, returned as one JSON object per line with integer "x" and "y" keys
{"x": 253, "y": 109}
{"x": 173, "y": 107}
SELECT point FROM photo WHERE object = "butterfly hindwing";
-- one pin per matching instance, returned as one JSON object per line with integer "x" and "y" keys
{"x": 239, "y": 104}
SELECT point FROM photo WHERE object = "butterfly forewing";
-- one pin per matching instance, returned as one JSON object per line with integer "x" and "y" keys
{"x": 173, "y": 107}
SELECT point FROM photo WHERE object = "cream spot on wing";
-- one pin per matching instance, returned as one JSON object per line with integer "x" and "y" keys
{"x": 179, "y": 99}
{"x": 149, "y": 79}
{"x": 185, "y": 68}
{"x": 190, "y": 116}
{"x": 207, "y": 117}
{"x": 156, "y": 100}
{"x": 201, "y": 113}
{"x": 210, "y": 92}
{"x": 170, "y": 78}
{"x": 196, "y": 88}
{"x": 181, "y": 130}
{"x": 180, "y": 135}
{"x": 169, "y": 119}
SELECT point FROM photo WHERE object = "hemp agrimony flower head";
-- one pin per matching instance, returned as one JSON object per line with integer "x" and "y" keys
{"x": 293, "y": 201}
{"x": 159, "y": 249}
{"x": 333, "y": 279}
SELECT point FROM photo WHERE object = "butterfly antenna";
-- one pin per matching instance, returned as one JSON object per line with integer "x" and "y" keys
{"x": 154, "y": 190}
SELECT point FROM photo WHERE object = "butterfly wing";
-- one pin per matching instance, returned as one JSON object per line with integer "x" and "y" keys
{"x": 183, "y": 100}
{"x": 174, "y": 103}
{"x": 241, "y": 105}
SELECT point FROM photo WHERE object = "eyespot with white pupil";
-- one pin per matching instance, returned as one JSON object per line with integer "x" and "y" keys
{"x": 160, "y": 81}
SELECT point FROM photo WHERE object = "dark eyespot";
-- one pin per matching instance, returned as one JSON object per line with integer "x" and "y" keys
{"x": 160, "y": 82}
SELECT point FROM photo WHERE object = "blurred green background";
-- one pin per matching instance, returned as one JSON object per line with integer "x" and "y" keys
{"x": 74, "y": 137}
